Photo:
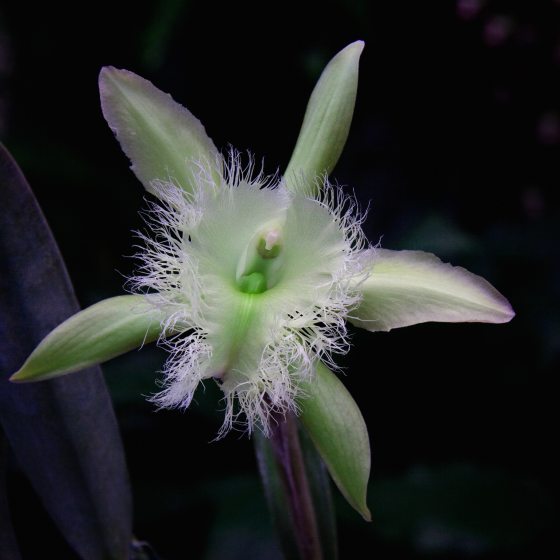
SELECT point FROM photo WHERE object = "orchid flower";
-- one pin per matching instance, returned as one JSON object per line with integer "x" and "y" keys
{"x": 250, "y": 280}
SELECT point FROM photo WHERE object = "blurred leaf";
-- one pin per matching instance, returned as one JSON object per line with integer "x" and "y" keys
{"x": 332, "y": 419}
{"x": 63, "y": 431}
{"x": 160, "y": 30}
{"x": 461, "y": 508}
{"x": 124, "y": 388}
{"x": 440, "y": 235}
{"x": 241, "y": 528}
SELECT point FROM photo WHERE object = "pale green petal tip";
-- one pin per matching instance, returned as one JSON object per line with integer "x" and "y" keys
{"x": 28, "y": 374}
{"x": 110, "y": 73}
{"x": 353, "y": 49}
{"x": 21, "y": 375}
{"x": 348, "y": 58}
{"x": 326, "y": 123}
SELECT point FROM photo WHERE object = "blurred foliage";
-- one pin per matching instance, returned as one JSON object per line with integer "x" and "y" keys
{"x": 455, "y": 145}
{"x": 461, "y": 508}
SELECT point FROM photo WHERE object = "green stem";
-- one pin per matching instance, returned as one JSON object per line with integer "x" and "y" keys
{"x": 289, "y": 458}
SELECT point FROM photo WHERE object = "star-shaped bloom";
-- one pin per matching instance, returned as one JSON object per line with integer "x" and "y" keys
{"x": 250, "y": 280}
{"x": 255, "y": 283}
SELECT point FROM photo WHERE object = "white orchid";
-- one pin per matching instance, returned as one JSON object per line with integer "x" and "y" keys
{"x": 249, "y": 280}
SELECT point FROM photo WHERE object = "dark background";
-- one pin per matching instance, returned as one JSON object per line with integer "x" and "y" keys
{"x": 456, "y": 143}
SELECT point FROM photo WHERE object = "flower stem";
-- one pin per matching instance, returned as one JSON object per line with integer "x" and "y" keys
{"x": 289, "y": 458}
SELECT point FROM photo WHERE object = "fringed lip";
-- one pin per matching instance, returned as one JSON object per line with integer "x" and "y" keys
{"x": 261, "y": 341}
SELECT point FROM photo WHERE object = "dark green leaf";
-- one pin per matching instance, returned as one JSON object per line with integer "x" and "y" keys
{"x": 62, "y": 431}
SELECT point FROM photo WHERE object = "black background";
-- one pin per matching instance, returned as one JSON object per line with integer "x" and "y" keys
{"x": 455, "y": 143}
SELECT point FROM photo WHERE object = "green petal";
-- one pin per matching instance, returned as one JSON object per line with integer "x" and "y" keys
{"x": 327, "y": 121}
{"x": 333, "y": 420}
{"x": 160, "y": 137}
{"x": 96, "y": 334}
{"x": 410, "y": 287}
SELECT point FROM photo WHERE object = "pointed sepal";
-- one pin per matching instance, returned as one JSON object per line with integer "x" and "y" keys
{"x": 337, "y": 428}
{"x": 410, "y": 287}
{"x": 96, "y": 334}
{"x": 327, "y": 121}
{"x": 161, "y": 137}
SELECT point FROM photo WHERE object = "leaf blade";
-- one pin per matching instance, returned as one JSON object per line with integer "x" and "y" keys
{"x": 63, "y": 432}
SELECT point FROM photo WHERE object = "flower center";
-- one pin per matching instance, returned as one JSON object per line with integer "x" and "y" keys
{"x": 260, "y": 265}
{"x": 254, "y": 283}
